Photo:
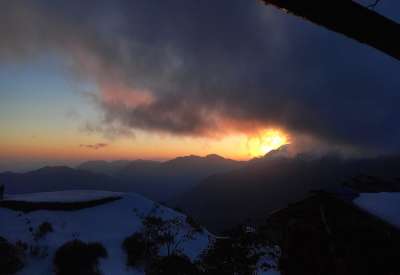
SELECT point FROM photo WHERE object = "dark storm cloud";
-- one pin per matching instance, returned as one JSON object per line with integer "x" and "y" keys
{"x": 208, "y": 67}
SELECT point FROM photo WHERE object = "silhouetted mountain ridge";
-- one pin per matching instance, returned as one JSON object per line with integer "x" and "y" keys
{"x": 157, "y": 180}
{"x": 266, "y": 184}
{"x": 56, "y": 179}
{"x": 163, "y": 181}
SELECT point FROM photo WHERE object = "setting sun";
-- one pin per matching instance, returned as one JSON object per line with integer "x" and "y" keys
{"x": 266, "y": 141}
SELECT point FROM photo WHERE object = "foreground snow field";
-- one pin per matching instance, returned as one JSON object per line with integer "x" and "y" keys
{"x": 109, "y": 223}
{"x": 383, "y": 205}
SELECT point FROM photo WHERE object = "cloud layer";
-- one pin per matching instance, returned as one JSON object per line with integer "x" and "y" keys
{"x": 95, "y": 146}
{"x": 208, "y": 68}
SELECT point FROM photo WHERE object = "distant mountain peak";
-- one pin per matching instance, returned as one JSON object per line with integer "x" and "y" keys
{"x": 210, "y": 157}
{"x": 188, "y": 157}
{"x": 214, "y": 156}
{"x": 281, "y": 152}
{"x": 54, "y": 169}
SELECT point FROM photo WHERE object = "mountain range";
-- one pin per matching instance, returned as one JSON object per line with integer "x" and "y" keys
{"x": 160, "y": 181}
{"x": 218, "y": 192}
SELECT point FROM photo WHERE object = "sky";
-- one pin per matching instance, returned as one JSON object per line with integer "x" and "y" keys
{"x": 143, "y": 79}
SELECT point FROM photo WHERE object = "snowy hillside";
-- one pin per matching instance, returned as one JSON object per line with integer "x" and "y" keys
{"x": 111, "y": 220}
{"x": 109, "y": 224}
{"x": 383, "y": 205}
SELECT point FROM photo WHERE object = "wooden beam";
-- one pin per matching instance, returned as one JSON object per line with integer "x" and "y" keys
{"x": 350, "y": 19}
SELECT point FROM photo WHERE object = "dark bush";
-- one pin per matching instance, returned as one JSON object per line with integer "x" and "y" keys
{"x": 173, "y": 264}
{"x": 97, "y": 250}
{"x": 10, "y": 258}
{"x": 23, "y": 246}
{"x": 78, "y": 258}
{"x": 196, "y": 227}
{"x": 153, "y": 223}
{"x": 178, "y": 209}
{"x": 229, "y": 256}
{"x": 138, "y": 249}
{"x": 144, "y": 246}
{"x": 1, "y": 191}
{"x": 43, "y": 229}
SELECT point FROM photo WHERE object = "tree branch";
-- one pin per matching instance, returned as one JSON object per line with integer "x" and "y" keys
{"x": 350, "y": 19}
{"x": 373, "y": 5}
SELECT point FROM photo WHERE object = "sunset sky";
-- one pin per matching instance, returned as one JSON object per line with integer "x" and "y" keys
{"x": 147, "y": 79}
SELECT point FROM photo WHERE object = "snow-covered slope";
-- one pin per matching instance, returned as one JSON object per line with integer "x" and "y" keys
{"x": 109, "y": 223}
{"x": 383, "y": 205}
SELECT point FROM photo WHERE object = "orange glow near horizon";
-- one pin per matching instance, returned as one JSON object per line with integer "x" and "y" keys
{"x": 150, "y": 146}
{"x": 266, "y": 141}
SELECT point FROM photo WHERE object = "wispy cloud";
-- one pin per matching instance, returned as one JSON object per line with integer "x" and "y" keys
{"x": 96, "y": 146}
{"x": 108, "y": 130}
